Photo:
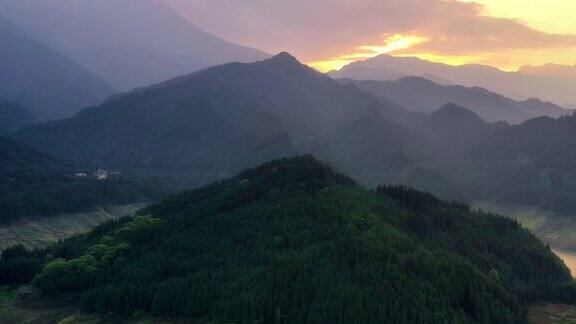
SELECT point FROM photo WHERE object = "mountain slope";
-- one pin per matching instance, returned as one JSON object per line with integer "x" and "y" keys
{"x": 49, "y": 84}
{"x": 33, "y": 184}
{"x": 128, "y": 43}
{"x": 213, "y": 122}
{"x": 454, "y": 130}
{"x": 531, "y": 164}
{"x": 517, "y": 85}
{"x": 420, "y": 94}
{"x": 14, "y": 117}
{"x": 293, "y": 241}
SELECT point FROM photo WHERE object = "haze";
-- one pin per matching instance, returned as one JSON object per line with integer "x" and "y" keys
{"x": 329, "y": 34}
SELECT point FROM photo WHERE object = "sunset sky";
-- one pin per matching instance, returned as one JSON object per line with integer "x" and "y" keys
{"x": 328, "y": 34}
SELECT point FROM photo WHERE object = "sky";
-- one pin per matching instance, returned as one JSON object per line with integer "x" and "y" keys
{"x": 328, "y": 34}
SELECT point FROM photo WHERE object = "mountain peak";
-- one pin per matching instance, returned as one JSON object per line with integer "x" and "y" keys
{"x": 284, "y": 58}
{"x": 456, "y": 113}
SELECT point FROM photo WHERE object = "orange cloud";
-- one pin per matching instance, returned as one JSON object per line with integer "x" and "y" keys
{"x": 391, "y": 44}
{"x": 330, "y": 33}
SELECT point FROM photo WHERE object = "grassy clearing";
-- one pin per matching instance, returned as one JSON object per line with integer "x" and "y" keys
{"x": 552, "y": 314}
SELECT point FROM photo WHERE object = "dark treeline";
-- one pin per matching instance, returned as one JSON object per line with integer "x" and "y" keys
{"x": 18, "y": 265}
{"x": 293, "y": 242}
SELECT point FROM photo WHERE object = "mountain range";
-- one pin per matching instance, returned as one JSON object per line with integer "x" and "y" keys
{"x": 420, "y": 94}
{"x": 127, "y": 43}
{"x": 47, "y": 83}
{"x": 216, "y": 121}
{"x": 548, "y": 83}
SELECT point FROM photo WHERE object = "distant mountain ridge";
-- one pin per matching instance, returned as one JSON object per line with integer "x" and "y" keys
{"x": 517, "y": 85}
{"x": 222, "y": 119}
{"x": 420, "y": 94}
{"x": 128, "y": 43}
{"x": 207, "y": 125}
{"x": 44, "y": 81}
{"x": 454, "y": 129}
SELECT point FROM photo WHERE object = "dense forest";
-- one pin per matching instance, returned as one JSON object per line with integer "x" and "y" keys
{"x": 293, "y": 241}
{"x": 529, "y": 164}
{"x": 33, "y": 184}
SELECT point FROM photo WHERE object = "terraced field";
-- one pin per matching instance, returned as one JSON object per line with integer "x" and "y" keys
{"x": 39, "y": 232}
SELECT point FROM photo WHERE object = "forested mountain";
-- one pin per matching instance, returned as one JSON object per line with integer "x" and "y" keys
{"x": 518, "y": 85}
{"x": 454, "y": 130}
{"x": 14, "y": 117}
{"x": 33, "y": 184}
{"x": 44, "y": 81}
{"x": 128, "y": 43}
{"x": 292, "y": 241}
{"x": 217, "y": 121}
{"x": 420, "y": 94}
{"x": 530, "y": 164}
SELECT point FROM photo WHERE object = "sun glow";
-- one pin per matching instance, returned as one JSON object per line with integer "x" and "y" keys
{"x": 549, "y": 16}
{"x": 392, "y": 44}
{"x": 552, "y": 16}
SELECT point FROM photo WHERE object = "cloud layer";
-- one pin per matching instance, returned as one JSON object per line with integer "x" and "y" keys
{"x": 328, "y": 29}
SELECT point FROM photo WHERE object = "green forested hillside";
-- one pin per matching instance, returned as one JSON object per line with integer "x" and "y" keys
{"x": 292, "y": 241}
{"x": 33, "y": 184}
{"x": 529, "y": 164}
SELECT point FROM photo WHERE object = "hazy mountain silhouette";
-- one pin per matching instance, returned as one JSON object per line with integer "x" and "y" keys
{"x": 530, "y": 164}
{"x": 517, "y": 85}
{"x": 219, "y": 120}
{"x": 420, "y": 94}
{"x": 557, "y": 71}
{"x": 49, "y": 84}
{"x": 454, "y": 129}
{"x": 128, "y": 43}
{"x": 14, "y": 117}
